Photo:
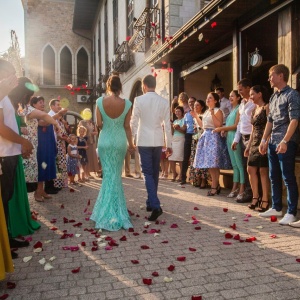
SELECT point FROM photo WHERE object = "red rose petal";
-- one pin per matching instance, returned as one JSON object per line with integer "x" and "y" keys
{"x": 228, "y": 235}
{"x": 95, "y": 243}
{"x": 174, "y": 226}
{"x": 123, "y": 238}
{"x": 233, "y": 226}
{"x": 113, "y": 243}
{"x": 83, "y": 244}
{"x": 194, "y": 218}
{"x": 38, "y": 245}
{"x": 273, "y": 218}
{"x": 145, "y": 231}
{"x": 197, "y": 297}
{"x": 145, "y": 247}
{"x": 156, "y": 222}
{"x": 65, "y": 220}
{"x": 137, "y": 215}
{"x": 251, "y": 239}
{"x": 4, "y": 296}
{"x": 135, "y": 262}
{"x": 89, "y": 202}
{"x": 196, "y": 208}
{"x": 72, "y": 190}
{"x": 10, "y": 285}
{"x": 165, "y": 242}
{"x": 273, "y": 236}
{"x": 65, "y": 231}
{"x": 62, "y": 206}
{"x": 225, "y": 209}
{"x": 66, "y": 248}
{"x": 108, "y": 248}
{"x": 198, "y": 228}
{"x": 54, "y": 228}
{"x": 171, "y": 268}
{"x": 76, "y": 270}
{"x": 147, "y": 281}
{"x": 136, "y": 233}
{"x": 74, "y": 248}
{"x": 227, "y": 243}
{"x": 298, "y": 260}
{"x": 192, "y": 249}
{"x": 155, "y": 274}
{"x": 72, "y": 221}
{"x": 77, "y": 224}
{"x": 94, "y": 249}
{"x": 195, "y": 222}
{"x": 87, "y": 219}
{"x": 108, "y": 238}
{"x": 237, "y": 237}
{"x": 130, "y": 230}
{"x": 181, "y": 258}
{"x": 85, "y": 210}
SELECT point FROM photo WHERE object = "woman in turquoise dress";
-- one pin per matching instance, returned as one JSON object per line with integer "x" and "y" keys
{"x": 236, "y": 155}
{"x": 113, "y": 120}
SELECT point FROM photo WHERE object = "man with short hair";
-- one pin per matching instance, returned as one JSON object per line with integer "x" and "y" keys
{"x": 243, "y": 131}
{"x": 188, "y": 138}
{"x": 225, "y": 105}
{"x": 12, "y": 145}
{"x": 283, "y": 135}
{"x": 150, "y": 111}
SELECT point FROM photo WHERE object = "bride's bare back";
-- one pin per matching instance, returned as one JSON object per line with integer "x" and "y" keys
{"x": 113, "y": 106}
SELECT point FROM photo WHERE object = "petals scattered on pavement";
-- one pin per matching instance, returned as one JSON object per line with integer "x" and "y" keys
{"x": 42, "y": 261}
{"x": 74, "y": 271}
{"x": 135, "y": 262}
{"x": 171, "y": 268}
{"x": 48, "y": 267}
{"x": 181, "y": 258}
{"x": 147, "y": 281}
{"x": 10, "y": 285}
{"x": 155, "y": 274}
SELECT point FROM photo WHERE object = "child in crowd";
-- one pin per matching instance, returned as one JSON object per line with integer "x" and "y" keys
{"x": 73, "y": 159}
{"x": 82, "y": 146}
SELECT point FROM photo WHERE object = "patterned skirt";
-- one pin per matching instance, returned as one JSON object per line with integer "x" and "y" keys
{"x": 212, "y": 152}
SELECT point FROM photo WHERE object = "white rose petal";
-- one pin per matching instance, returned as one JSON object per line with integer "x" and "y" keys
{"x": 38, "y": 250}
{"x": 44, "y": 165}
{"x": 222, "y": 230}
{"x": 78, "y": 234}
{"x": 27, "y": 259}
{"x": 52, "y": 258}
{"x": 131, "y": 200}
{"x": 42, "y": 261}
{"x": 100, "y": 230}
{"x": 147, "y": 223}
{"x": 156, "y": 234}
{"x": 233, "y": 218}
{"x": 102, "y": 245}
{"x": 141, "y": 206}
{"x": 103, "y": 236}
{"x": 168, "y": 279}
{"x": 259, "y": 227}
{"x": 187, "y": 214}
{"x": 48, "y": 267}
{"x": 99, "y": 240}
{"x": 47, "y": 242}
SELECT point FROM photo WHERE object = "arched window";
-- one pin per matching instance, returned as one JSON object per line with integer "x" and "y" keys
{"x": 82, "y": 67}
{"x": 49, "y": 66}
{"x": 65, "y": 66}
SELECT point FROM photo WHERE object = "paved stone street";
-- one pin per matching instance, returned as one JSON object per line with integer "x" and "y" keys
{"x": 215, "y": 267}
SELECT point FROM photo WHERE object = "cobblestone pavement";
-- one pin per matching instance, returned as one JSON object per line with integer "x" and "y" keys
{"x": 218, "y": 268}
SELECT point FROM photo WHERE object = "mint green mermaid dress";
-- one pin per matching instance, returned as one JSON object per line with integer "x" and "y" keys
{"x": 110, "y": 210}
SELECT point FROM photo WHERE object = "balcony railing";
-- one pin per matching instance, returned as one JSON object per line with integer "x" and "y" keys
{"x": 146, "y": 27}
{"x": 123, "y": 58}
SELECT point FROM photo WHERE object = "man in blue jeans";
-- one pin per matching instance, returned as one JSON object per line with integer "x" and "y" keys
{"x": 150, "y": 111}
{"x": 282, "y": 133}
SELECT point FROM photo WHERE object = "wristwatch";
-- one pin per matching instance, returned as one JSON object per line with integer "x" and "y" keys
{"x": 284, "y": 141}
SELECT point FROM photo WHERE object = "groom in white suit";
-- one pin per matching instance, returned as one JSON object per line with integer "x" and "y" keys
{"x": 150, "y": 112}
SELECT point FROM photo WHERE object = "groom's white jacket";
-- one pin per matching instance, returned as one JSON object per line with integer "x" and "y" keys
{"x": 150, "y": 112}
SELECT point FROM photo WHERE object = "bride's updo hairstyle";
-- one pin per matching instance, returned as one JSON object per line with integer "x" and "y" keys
{"x": 114, "y": 85}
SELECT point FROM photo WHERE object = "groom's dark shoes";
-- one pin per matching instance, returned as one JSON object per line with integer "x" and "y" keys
{"x": 17, "y": 243}
{"x": 155, "y": 214}
{"x": 149, "y": 208}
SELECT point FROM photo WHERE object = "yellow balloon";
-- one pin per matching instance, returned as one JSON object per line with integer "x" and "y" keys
{"x": 86, "y": 114}
{"x": 64, "y": 103}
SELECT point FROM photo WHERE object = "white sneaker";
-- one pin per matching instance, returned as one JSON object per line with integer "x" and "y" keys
{"x": 295, "y": 224}
{"x": 271, "y": 212}
{"x": 287, "y": 219}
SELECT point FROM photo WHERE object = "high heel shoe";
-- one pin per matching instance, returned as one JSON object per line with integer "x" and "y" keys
{"x": 218, "y": 189}
{"x": 210, "y": 193}
{"x": 263, "y": 208}
{"x": 38, "y": 199}
{"x": 174, "y": 178}
{"x": 255, "y": 202}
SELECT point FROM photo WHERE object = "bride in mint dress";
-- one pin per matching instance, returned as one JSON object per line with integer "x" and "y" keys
{"x": 113, "y": 120}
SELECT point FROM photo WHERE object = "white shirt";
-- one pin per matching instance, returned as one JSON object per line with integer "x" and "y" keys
{"x": 8, "y": 148}
{"x": 225, "y": 106}
{"x": 150, "y": 111}
{"x": 244, "y": 126}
